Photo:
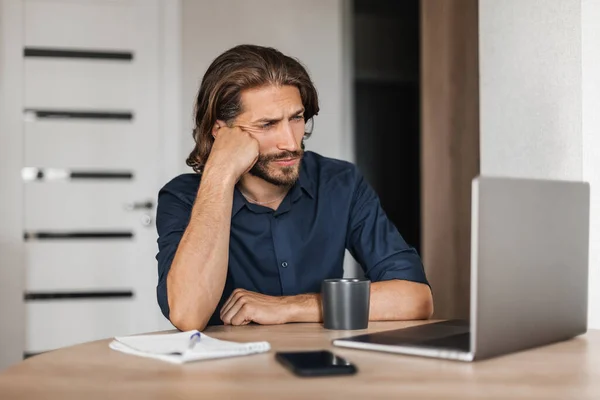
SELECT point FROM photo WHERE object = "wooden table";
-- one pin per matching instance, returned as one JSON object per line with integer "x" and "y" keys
{"x": 567, "y": 370}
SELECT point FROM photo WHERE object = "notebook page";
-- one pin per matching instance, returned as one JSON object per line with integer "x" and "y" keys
{"x": 174, "y": 347}
{"x": 159, "y": 344}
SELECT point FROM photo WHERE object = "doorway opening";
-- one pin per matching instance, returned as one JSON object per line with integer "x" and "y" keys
{"x": 387, "y": 107}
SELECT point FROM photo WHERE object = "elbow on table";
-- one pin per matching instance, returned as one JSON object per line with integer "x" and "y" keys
{"x": 185, "y": 321}
{"x": 423, "y": 307}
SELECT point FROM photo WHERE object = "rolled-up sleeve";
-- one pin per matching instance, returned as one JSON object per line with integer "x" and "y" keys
{"x": 375, "y": 242}
{"x": 172, "y": 218}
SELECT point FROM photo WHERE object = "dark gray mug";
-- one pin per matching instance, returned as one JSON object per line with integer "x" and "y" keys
{"x": 345, "y": 303}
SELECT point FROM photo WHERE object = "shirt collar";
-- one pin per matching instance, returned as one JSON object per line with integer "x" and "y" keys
{"x": 238, "y": 201}
{"x": 305, "y": 183}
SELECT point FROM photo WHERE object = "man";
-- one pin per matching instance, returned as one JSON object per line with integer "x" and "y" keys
{"x": 252, "y": 234}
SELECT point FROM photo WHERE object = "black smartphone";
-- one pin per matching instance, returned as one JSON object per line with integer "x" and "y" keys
{"x": 315, "y": 363}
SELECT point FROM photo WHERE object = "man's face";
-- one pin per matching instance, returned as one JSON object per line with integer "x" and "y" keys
{"x": 274, "y": 116}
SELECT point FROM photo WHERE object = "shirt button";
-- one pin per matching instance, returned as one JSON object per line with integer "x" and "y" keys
{"x": 284, "y": 264}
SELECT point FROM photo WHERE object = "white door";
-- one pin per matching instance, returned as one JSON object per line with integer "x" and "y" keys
{"x": 91, "y": 117}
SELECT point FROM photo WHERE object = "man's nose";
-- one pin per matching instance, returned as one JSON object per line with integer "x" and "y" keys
{"x": 287, "y": 140}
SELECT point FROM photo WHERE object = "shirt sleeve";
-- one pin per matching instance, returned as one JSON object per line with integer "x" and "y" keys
{"x": 375, "y": 242}
{"x": 172, "y": 218}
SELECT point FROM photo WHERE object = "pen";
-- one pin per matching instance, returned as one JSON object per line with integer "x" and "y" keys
{"x": 193, "y": 339}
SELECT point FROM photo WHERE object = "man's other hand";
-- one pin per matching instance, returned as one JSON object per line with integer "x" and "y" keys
{"x": 244, "y": 307}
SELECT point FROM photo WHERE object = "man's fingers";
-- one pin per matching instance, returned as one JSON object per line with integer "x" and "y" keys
{"x": 232, "y": 299}
{"x": 228, "y": 307}
{"x": 242, "y": 317}
{"x": 248, "y": 128}
{"x": 227, "y": 304}
{"x": 232, "y": 311}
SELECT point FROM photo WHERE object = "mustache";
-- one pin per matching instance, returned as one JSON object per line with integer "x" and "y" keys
{"x": 284, "y": 155}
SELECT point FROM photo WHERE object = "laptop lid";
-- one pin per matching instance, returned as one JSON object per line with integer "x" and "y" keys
{"x": 529, "y": 263}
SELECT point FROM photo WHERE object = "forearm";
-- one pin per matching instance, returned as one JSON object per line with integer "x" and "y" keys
{"x": 393, "y": 300}
{"x": 305, "y": 308}
{"x": 397, "y": 300}
{"x": 197, "y": 276}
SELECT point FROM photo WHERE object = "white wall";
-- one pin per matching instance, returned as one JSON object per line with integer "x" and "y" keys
{"x": 530, "y": 88}
{"x": 540, "y": 96}
{"x": 12, "y": 249}
{"x": 310, "y": 30}
{"x": 171, "y": 47}
{"x": 590, "y": 26}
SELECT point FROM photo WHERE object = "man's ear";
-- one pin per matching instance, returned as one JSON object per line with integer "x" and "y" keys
{"x": 216, "y": 127}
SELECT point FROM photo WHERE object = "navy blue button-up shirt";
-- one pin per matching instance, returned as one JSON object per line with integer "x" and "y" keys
{"x": 293, "y": 249}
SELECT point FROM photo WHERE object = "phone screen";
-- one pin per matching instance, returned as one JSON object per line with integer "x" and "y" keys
{"x": 315, "y": 363}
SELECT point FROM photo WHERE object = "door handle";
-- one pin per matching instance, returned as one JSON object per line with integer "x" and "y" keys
{"x": 139, "y": 205}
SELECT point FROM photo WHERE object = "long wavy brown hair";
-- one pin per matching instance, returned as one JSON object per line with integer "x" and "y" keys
{"x": 243, "y": 67}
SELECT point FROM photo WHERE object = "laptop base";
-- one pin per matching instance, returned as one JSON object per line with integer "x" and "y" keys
{"x": 447, "y": 339}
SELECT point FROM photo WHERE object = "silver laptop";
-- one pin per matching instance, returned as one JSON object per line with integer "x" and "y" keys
{"x": 529, "y": 274}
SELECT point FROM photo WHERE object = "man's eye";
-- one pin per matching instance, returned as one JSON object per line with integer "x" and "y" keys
{"x": 267, "y": 125}
{"x": 298, "y": 117}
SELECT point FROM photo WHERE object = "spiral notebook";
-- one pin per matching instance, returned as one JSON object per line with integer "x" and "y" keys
{"x": 179, "y": 348}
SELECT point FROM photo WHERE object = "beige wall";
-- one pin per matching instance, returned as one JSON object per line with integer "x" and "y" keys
{"x": 311, "y": 31}
{"x": 449, "y": 148}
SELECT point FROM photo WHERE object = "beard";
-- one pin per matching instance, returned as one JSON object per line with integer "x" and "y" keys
{"x": 282, "y": 176}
